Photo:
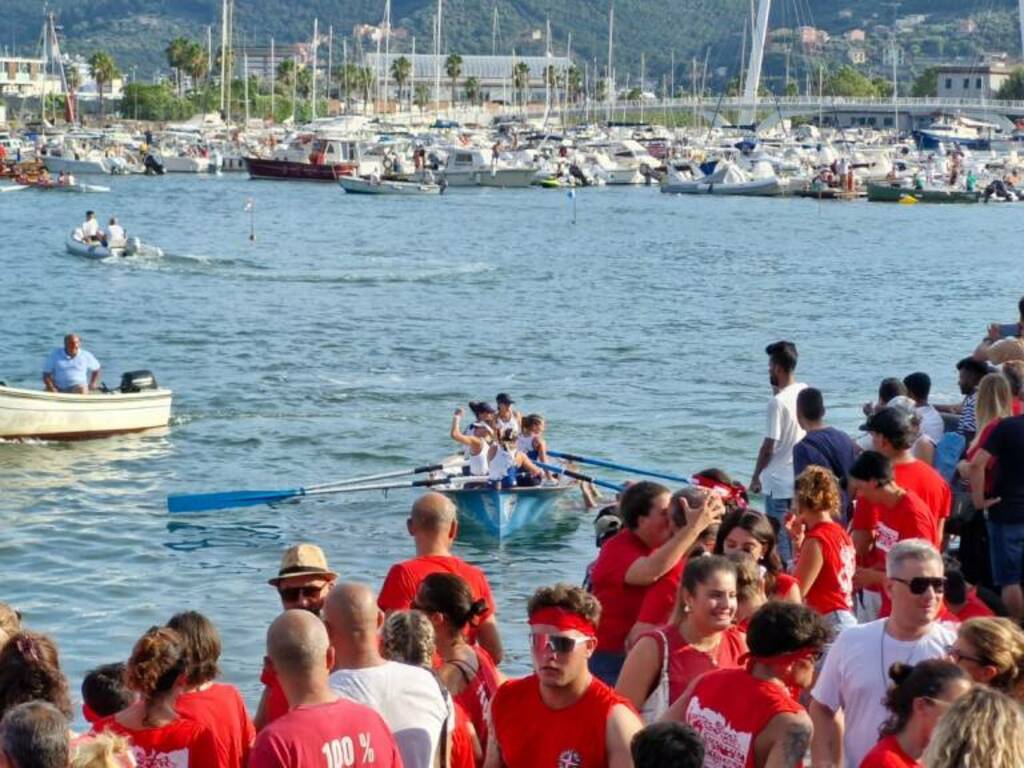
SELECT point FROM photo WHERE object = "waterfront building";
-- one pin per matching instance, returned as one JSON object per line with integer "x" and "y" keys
{"x": 972, "y": 81}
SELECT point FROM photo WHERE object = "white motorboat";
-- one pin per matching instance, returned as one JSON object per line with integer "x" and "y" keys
{"x": 55, "y": 164}
{"x": 359, "y": 185}
{"x": 133, "y": 246}
{"x": 184, "y": 163}
{"x": 726, "y": 180}
{"x": 138, "y": 405}
{"x": 469, "y": 168}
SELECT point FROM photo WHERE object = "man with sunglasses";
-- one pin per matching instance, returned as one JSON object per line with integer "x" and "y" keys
{"x": 302, "y": 582}
{"x": 846, "y": 704}
{"x": 749, "y": 716}
{"x": 561, "y": 716}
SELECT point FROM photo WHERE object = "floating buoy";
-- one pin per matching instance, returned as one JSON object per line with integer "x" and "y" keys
{"x": 908, "y": 200}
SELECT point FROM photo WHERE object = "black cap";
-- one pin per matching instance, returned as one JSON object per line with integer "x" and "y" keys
{"x": 894, "y": 424}
{"x": 480, "y": 406}
{"x": 504, "y": 399}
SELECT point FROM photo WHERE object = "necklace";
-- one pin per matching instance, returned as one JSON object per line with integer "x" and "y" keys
{"x": 881, "y": 655}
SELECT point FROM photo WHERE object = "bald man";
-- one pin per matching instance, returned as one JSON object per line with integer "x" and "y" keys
{"x": 433, "y": 526}
{"x": 320, "y": 728}
{"x": 410, "y": 699}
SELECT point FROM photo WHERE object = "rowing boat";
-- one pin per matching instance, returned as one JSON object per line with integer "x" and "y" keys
{"x": 28, "y": 413}
{"x": 358, "y": 185}
{"x": 503, "y": 513}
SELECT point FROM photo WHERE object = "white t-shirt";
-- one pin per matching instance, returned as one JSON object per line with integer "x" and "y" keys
{"x": 783, "y": 428}
{"x": 410, "y": 701}
{"x": 90, "y": 228}
{"x": 855, "y": 678}
{"x": 932, "y": 425}
{"x": 115, "y": 233}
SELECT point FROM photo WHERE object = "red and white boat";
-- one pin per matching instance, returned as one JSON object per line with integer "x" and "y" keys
{"x": 307, "y": 158}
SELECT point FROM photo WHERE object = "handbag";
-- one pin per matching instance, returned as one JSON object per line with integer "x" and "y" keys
{"x": 657, "y": 703}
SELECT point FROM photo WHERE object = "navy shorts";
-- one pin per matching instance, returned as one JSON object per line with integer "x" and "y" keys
{"x": 1006, "y": 545}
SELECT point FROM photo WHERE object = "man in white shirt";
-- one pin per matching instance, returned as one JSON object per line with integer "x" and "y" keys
{"x": 773, "y": 473}
{"x": 919, "y": 387}
{"x": 847, "y": 701}
{"x": 91, "y": 229}
{"x": 410, "y": 699}
{"x": 115, "y": 232}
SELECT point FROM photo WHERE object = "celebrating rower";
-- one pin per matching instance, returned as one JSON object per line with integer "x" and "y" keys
{"x": 477, "y": 442}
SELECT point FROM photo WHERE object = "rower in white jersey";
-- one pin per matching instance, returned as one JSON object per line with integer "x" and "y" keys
{"x": 477, "y": 443}
{"x": 507, "y": 417}
{"x": 510, "y": 467}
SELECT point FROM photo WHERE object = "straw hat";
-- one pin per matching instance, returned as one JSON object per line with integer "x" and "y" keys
{"x": 302, "y": 560}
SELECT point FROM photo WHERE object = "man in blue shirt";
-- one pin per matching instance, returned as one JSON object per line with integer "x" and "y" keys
{"x": 71, "y": 369}
{"x": 823, "y": 446}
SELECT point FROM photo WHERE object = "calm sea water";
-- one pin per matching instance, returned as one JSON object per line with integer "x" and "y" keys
{"x": 339, "y": 342}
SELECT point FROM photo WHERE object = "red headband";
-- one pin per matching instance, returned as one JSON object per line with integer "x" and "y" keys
{"x": 736, "y": 494}
{"x": 800, "y": 654}
{"x": 563, "y": 619}
{"x": 90, "y": 714}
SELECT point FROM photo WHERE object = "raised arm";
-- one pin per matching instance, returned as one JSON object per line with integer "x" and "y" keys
{"x": 456, "y": 432}
{"x": 649, "y": 568}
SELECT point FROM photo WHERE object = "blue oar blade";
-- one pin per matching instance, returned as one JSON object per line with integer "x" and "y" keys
{"x": 201, "y": 502}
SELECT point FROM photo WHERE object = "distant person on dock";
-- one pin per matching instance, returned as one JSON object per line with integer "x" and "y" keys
{"x": 1003, "y": 341}
{"x": 919, "y": 387}
{"x": 303, "y": 582}
{"x": 822, "y": 445}
{"x": 773, "y": 473}
{"x": 319, "y": 723}
{"x": 91, "y": 232}
{"x": 970, "y": 373}
{"x": 561, "y": 715}
{"x": 433, "y": 525}
{"x": 71, "y": 369}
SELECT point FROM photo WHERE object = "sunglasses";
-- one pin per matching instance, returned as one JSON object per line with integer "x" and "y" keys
{"x": 919, "y": 584}
{"x": 957, "y": 656}
{"x": 560, "y": 644}
{"x": 291, "y": 594}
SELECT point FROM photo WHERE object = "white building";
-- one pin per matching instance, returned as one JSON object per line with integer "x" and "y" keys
{"x": 972, "y": 81}
{"x": 22, "y": 77}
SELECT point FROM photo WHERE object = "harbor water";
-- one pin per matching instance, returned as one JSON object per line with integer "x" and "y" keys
{"x": 339, "y": 341}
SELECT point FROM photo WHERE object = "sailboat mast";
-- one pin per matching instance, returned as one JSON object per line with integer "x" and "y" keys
{"x": 753, "y": 83}
{"x": 312, "y": 92}
{"x": 273, "y": 79}
{"x": 330, "y": 64}
{"x": 610, "y": 95}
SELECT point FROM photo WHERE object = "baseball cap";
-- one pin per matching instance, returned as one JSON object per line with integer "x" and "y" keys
{"x": 891, "y": 422}
{"x": 504, "y": 399}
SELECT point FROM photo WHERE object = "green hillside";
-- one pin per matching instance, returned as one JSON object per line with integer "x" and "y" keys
{"x": 137, "y": 31}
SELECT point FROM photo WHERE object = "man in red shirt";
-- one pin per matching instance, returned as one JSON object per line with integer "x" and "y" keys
{"x": 320, "y": 728}
{"x": 302, "y": 583}
{"x": 561, "y": 716}
{"x": 433, "y": 526}
{"x": 899, "y": 514}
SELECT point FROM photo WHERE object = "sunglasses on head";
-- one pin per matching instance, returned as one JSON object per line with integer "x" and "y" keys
{"x": 919, "y": 584}
{"x": 291, "y": 594}
{"x": 560, "y": 644}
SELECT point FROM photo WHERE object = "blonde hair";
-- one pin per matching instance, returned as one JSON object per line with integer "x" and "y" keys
{"x": 999, "y": 642}
{"x": 816, "y": 490}
{"x": 105, "y": 750}
{"x": 409, "y": 638}
{"x": 10, "y": 623}
{"x": 983, "y": 729}
{"x": 995, "y": 400}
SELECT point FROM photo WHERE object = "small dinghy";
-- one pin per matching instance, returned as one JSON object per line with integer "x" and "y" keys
{"x": 53, "y": 186}
{"x": 13, "y": 187}
{"x": 360, "y": 185}
{"x": 133, "y": 246}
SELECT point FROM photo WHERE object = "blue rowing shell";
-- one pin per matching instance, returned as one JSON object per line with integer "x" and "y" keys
{"x": 505, "y": 512}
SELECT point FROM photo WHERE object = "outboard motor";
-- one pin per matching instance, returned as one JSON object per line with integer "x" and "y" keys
{"x": 137, "y": 381}
{"x": 154, "y": 167}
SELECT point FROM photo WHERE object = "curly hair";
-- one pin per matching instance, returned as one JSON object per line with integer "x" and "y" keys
{"x": 158, "y": 659}
{"x": 926, "y": 680}
{"x": 10, "y": 623}
{"x": 202, "y": 645}
{"x": 30, "y": 670}
{"x": 778, "y": 628}
{"x": 983, "y": 729}
{"x": 999, "y": 642}
{"x": 569, "y": 597}
{"x": 408, "y": 637}
{"x": 104, "y": 750}
{"x": 816, "y": 490}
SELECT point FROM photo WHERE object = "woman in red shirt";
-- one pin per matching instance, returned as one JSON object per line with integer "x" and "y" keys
{"x": 828, "y": 559}
{"x": 701, "y": 637}
{"x": 751, "y": 532}
{"x": 919, "y": 696}
{"x": 157, "y": 672}
{"x": 467, "y": 671}
{"x": 217, "y": 706}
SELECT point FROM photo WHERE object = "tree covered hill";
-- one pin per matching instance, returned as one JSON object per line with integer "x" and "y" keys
{"x": 136, "y": 32}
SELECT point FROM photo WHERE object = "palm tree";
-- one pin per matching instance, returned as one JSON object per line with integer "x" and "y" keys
{"x": 401, "y": 69}
{"x": 453, "y": 68}
{"x": 364, "y": 81}
{"x": 472, "y": 89}
{"x": 196, "y": 63}
{"x": 73, "y": 78}
{"x": 421, "y": 95}
{"x": 521, "y": 80}
{"x": 304, "y": 82}
{"x": 177, "y": 56}
{"x": 574, "y": 82}
{"x": 103, "y": 70}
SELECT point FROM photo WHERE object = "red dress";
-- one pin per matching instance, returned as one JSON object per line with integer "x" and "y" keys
{"x": 729, "y": 708}
{"x": 686, "y": 663}
{"x": 532, "y": 735}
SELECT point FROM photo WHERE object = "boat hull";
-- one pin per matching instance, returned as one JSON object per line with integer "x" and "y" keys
{"x": 886, "y": 193}
{"x": 756, "y": 188}
{"x": 26, "y": 413}
{"x": 355, "y": 185}
{"x": 503, "y": 513}
{"x": 290, "y": 171}
{"x": 56, "y": 164}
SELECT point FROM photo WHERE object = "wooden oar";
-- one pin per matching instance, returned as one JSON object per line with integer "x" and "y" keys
{"x": 201, "y": 502}
{"x": 578, "y": 476}
{"x": 620, "y": 467}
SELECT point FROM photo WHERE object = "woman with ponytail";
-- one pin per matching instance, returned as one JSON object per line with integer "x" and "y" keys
{"x": 467, "y": 671}
{"x": 157, "y": 672}
{"x": 918, "y": 697}
{"x": 30, "y": 670}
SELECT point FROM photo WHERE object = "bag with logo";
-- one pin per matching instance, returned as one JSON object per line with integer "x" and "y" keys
{"x": 657, "y": 703}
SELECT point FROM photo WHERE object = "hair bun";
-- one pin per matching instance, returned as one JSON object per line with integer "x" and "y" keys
{"x": 478, "y": 608}
{"x": 899, "y": 672}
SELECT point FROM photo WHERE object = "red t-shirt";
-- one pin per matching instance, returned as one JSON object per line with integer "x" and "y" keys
{"x": 686, "y": 663}
{"x": 476, "y": 697}
{"x": 620, "y": 602}
{"x": 660, "y": 598}
{"x": 463, "y": 754}
{"x": 276, "y": 703}
{"x": 832, "y": 590}
{"x": 181, "y": 744}
{"x": 910, "y": 518}
{"x": 729, "y": 708}
{"x": 531, "y": 734}
{"x": 974, "y": 608}
{"x": 783, "y": 584}
{"x": 924, "y": 481}
{"x": 220, "y": 708}
{"x": 340, "y": 733}
{"x": 888, "y": 754}
{"x": 990, "y": 466}
{"x": 403, "y": 580}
